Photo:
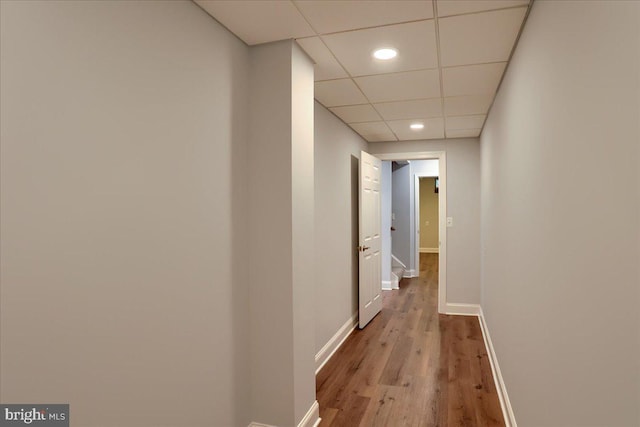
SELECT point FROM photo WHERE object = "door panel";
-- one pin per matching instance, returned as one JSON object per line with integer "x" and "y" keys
{"x": 370, "y": 240}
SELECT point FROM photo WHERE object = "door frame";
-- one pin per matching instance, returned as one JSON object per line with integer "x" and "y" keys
{"x": 442, "y": 212}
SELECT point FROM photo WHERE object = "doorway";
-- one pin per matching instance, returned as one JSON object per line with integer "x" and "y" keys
{"x": 427, "y": 215}
{"x": 440, "y": 156}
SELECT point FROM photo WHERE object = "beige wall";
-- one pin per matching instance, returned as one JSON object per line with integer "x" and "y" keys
{"x": 123, "y": 281}
{"x": 428, "y": 214}
{"x": 560, "y": 276}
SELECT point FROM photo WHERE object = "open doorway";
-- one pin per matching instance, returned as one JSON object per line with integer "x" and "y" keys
{"x": 411, "y": 175}
{"x": 427, "y": 219}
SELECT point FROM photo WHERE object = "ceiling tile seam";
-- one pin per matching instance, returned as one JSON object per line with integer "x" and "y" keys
{"x": 321, "y": 41}
{"x": 368, "y": 100}
{"x": 412, "y": 21}
{"x": 506, "y": 67}
{"x": 350, "y": 77}
{"x": 379, "y": 74}
{"x": 349, "y": 105}
{"x": 348, "y": 124}
{"x": 392, "y": 120}
{"x": 293, "y": 3}
{"x": 437, "y": 30}
{"x": 409, "y": 100}
{"x": 466, "y": 96}
{"x": 477, "y": 12}
{"x": 373, "y": 104}
{"x": 464, "y": 129}
{"x": 448, "y": 67}
{"x": 465, "y": 115}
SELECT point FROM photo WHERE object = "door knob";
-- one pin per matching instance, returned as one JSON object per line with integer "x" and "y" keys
{"x": 363, "y": 248}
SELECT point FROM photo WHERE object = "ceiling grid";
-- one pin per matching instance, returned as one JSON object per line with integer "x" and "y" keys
{"x": 451, "y": 56}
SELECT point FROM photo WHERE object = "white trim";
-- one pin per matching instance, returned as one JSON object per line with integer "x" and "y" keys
{"x": 429, "y": 250}
{"x": 408, "y": 274}
{"x": 387, "y": 285}
{"x": 335, "y": 342}
{"x": 463, "y": 309}
{"x": 395, "y": 281}
{"x": 442, "y": 212}
{"x": 503, "y": 396}
{"x": 312, "y": 417}
{"x": 394, "y": 258}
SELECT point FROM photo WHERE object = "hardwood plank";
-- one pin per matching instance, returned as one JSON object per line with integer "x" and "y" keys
{"x": 411, "y": 366}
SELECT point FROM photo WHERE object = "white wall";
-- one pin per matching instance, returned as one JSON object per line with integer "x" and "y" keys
{"x": 280, "y": 256}
{"x": 401, "y": 208}
{"x": 337, "y": 153}
{"x": 560, "y": 274}
{"x": 123, "y": 286}
{"x": 463, "y": 203}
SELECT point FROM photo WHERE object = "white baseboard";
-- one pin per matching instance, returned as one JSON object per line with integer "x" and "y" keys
{"x": 462, "y": 309}
{"x": 335, "y": 342}
{"x": 395, "y": 281}
{"x": 408, "y": 274}
{"x": 387, "y": 285}
{"x": 429, "y": 250}
{"x": 505, "y": 404}
{"x": 311, "y": 418}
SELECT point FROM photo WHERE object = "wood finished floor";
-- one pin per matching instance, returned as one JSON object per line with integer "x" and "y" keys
{"x": 411, "y": 366}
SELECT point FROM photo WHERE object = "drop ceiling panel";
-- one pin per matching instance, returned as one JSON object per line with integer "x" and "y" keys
{"x": 332, "y": 93}
{"x": 330, "y": 16}
{"x": 479, "y": 37}
{"x": 401, "y": 86}
{"x": 259, "y": 21}
{"x": 326, "y": 67}
{"x": 356, "y": 113}
{"x": 451, "y": 76}
{"x": 467, "y": 105}
{"x": 458, "y": 7}
{"x": 354, "y": 49}
{"x": 433, "y": 129}
{"x": 472, "y": 79}
{"x": 416, "y": 109}
{"x": 465, "y": 122}
{"x": 467, "y": 133}
{"x": 374, "y": 131}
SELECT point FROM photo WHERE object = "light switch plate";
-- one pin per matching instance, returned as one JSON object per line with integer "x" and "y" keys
{"x": 449, "y": 221}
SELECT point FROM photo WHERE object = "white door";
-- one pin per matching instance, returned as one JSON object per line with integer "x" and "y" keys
{"x": 370, "y": 299}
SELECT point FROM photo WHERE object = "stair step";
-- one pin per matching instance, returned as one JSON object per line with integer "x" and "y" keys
{"x": 398, "y": 271}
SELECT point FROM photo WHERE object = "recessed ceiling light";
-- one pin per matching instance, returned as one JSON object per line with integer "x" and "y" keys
{"x": 416, "y": 126}
{"x": 385, "y": 54}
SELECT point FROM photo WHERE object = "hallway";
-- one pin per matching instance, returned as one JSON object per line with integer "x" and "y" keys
{"x": 411, "y": 366}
